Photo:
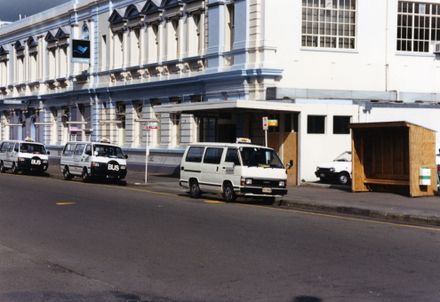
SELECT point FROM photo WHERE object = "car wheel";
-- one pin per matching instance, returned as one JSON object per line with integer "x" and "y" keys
{"x": 85, "y": 175}
{"x": 194, "y": 189}
{"x": 66, "y": 174}
{"x": 14, "y": 169}
{"x": 2, "y": 167}
{"x": 344, "y": 178}
{"x": 228, "y": 192}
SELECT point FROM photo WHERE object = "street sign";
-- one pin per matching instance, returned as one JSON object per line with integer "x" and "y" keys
{"x": 265, "y": 123}
{"x": 151, "y": 127}
{"x": 272, "y": 123}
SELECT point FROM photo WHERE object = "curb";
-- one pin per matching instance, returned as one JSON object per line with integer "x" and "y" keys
{"x": 362, "y": 212}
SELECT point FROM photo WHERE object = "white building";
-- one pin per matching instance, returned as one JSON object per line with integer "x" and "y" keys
{"x": 209, "y": 70}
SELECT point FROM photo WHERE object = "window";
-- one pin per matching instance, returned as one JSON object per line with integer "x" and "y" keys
{"x": 213, "y": 155}
{"x": 418, "y": 24}
{"x": 68, "y": 150}
{"x": 11, "y": 147}
{"x": 316, "y": 124}
{"x": 341, "y": 124}
{"x": 79, "y": 149}
{"x": 195, "y": 154}
{"x": 230, "y": 27}
{"x": 329, "y": 23}
{"x": 232, "y": 156}
{"x": 4, "y": 147}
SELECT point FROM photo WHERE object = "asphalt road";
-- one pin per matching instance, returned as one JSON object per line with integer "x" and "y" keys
{"x": 69, "y": 241}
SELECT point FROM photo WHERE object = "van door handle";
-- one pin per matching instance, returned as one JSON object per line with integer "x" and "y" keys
{"x": 182, "y": 168}
{"x": 217, "y": 168}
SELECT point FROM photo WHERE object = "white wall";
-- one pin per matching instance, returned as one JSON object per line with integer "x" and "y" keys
{"x": 315, "y": 149}
{"x": 363, "y": 68}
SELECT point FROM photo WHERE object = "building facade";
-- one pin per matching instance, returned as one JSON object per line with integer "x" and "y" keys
{"x": 209, "y": 70}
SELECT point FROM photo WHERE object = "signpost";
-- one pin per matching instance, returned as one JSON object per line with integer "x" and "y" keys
{"x": 150, "y": 124}
{"x": 266, "y": 124}
{"x": 265, "y": 128}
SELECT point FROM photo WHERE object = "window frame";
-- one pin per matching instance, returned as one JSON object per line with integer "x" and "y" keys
{"x": 309, "y": 129}
{"x": 315, "y": 23}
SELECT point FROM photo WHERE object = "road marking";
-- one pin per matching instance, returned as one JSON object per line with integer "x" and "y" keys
{"x": 212, "y": 201}
{"x": 65, "y": 203}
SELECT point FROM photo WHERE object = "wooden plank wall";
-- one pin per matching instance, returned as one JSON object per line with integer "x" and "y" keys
{"x": 422, "y": 154}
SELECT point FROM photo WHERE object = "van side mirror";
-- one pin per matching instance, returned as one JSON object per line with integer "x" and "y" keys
{"x": 126, "y": 156}
{"x": 289, "y": 164}
{"x": 95, "y": 153}
{"x": 48, "y": 152}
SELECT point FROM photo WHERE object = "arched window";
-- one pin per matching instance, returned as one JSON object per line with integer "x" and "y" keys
{"x": 85, "y": 32}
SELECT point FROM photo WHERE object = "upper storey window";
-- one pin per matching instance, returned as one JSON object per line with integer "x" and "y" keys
{"x": 418, "y": 24}
{"x": 329, "y": 23}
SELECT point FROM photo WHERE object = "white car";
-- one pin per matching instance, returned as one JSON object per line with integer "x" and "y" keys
{"x": 232, "y": 170}
{"x": 93, "y": 160}
{"x": 338, "y": 170}
{"x": 23, "y": 156}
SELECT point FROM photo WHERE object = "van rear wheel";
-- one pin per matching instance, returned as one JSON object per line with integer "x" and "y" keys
{"x": 66, "y": 174}
{"x": 194, "y": 189}
{"x": 228, "y": 192}
{"x": 14, "y": 169}
{"x": 85, "y": 175}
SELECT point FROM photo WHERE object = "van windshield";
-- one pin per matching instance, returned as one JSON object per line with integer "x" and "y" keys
{"x": 32, "y": 148}
{"x": 260, "y": 157}
{"x": 109, "y": 151}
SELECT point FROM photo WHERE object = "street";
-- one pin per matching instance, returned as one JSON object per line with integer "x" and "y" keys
{"x": 70, "y": 241}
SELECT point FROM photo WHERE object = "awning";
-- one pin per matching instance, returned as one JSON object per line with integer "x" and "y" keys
{"x": 225, "y": 105}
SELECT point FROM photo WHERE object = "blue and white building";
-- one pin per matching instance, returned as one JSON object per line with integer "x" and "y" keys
{"x": 209, "y": 70}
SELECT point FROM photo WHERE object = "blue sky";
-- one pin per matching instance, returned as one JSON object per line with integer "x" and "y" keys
{"x": 10, "y": 9}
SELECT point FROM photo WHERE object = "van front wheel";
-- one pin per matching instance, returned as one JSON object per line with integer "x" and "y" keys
{"x": 66, "y": 174}
{"x": 194, "y": 189}
{"x": 228, "y": 192}
{"x": 2, "y": 167}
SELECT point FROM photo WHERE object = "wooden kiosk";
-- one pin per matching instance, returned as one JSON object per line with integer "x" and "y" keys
{"x": 394, "y": 157}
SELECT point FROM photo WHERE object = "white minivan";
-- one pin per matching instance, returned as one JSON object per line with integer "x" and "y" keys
{"x": 93, "y": 160}
{"x": 23, "y": 156}
{"x": 232, "y": 170}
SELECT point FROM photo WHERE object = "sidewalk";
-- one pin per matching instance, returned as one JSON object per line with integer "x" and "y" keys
{"x": 321, "y": 198}
{"x": 381, "y": 206}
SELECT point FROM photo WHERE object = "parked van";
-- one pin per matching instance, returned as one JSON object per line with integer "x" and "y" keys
{"x": 93, "y": 160}
{"x": 23, "y": 156}
{"x": 232, "y": 170}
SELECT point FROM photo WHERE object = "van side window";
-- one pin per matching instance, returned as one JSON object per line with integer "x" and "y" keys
{"x": 232, "y": 156}
{"x": 68, "y": 150}
{"x": 4, "y": 147}
{"x": 195, "y": 154}
{"x": 79, "y": 149}
{"x": 88, "y": 150}
{"x": 11, "y": 147}
{"x": 213, "y": 155}
{"x": 16, "y": 147}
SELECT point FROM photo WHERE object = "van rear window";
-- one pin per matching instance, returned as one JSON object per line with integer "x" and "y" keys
{"x": 194, "y": 154}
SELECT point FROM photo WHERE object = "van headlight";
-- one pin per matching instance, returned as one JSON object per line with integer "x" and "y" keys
{"x": 248, "y": 181}
{"x": 95, "y": 164}
{"x": 282, "y": 184}
{"x": 123, "y": 167}
{"x": 21, "y": 159}
{"x": 332, "y": 169}
{"x": 44, "y": 161}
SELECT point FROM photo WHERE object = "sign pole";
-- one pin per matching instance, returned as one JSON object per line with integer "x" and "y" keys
{"x": 265, "y": 128}
{"x": 147, "y": 153}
